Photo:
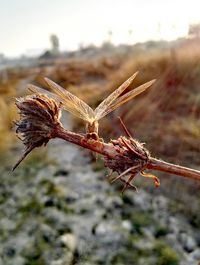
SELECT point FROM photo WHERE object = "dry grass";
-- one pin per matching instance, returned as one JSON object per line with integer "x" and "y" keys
{"x": 8, "y": 114}
{"x": 7, "y": 108}
{"x": 159, "y": 116}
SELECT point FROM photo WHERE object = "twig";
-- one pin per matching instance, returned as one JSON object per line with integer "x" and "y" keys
{"x": 109, "y": 150}
{"x": 160, "y": 165}
{"x": 42, "y": 115}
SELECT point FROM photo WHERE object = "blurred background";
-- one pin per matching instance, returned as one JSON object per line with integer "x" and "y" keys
{"x": 58, "y": 207}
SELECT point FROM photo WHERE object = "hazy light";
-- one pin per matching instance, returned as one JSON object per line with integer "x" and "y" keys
{"x": 27, "y": 25}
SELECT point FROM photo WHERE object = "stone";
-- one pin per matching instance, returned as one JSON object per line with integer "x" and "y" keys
{"x": 7, "y": 224}
{"x": 101, "y": 229}
{"x": 195, "y": 255}
{"x": 19, "y": 261}
{"x": 113, "y": 203}
{"x": 187, "y": 242}
{"x": 142, "y": 200}
{"x": 160, "y": 203}
{"x": 70, "y": 241}
{"x": 126, "y": 224}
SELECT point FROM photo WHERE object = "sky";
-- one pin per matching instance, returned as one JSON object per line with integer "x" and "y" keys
{"x": 26, "y": 25}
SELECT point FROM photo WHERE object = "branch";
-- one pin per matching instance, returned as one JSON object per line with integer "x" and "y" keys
{"x": 160, "y": 165}
{"x": 40, "y": 122}
{"x": 110, "y": 151}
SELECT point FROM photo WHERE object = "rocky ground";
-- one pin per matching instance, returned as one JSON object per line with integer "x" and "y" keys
{"x": 59, "y": 209}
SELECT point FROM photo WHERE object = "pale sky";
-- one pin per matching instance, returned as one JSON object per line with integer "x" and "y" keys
{"x": 26, "y": 25}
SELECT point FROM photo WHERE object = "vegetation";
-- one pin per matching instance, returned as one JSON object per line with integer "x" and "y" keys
{"x": 166, "y": 117}
{"x": 8, "y": 84}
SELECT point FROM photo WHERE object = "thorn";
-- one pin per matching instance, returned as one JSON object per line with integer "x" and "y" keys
{"x": 124, "y": 127}
{"x": 124, "y": 188}
{"x": 128, "y": 184}
{"x": 124, "y": 173}
{"x": 22, "y": 158}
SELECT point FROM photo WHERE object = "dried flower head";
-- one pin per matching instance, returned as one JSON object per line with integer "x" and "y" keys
{"x": 39, "y": 117}
{"x": 132, "y": 158}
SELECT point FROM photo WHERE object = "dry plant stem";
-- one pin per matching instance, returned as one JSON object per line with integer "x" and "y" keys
{"x": 160, "y": 165}
{"x": 109, "y": 151}
{"x": 94, "y": 145}
{"x": 40, "y": 122}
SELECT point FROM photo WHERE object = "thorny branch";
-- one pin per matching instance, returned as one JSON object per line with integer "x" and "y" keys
{"x": 40, "y": 121}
